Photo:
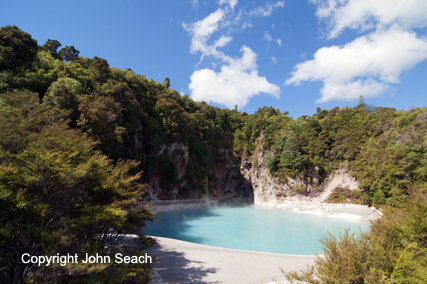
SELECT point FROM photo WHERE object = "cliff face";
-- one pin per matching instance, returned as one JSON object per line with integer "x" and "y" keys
{"x": 248, "y": 180}
{"x": 269, "y": 190}
{"x": 230, "y": 182}
{"x": 158, "y": 189}
{"x": 225, "y": 181}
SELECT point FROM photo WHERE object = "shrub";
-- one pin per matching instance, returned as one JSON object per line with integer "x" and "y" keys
{"x": 393, "y": 251}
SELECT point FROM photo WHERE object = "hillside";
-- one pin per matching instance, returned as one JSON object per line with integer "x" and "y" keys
{"x": 184, "y": 146}
{"x": 384, "y": 149}
{"x": 80, "y": 138}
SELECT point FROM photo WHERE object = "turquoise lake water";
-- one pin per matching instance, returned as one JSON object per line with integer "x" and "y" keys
{"x": 250, "y": 228}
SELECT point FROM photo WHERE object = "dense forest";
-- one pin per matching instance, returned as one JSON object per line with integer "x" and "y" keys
{"x": 385, "y": 149}
{"x": 80, "y": 142}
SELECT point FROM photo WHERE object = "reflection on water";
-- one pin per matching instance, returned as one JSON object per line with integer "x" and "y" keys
{"x": 177, "y": 224}
{"x": 249, "y": 228}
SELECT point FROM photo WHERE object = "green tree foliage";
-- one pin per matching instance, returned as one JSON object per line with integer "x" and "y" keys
{"x": 17, "y": 48}
{"x": 100, "y": 69}
{"x": 288, "y": 143}
{"x": 166, "y": 83}
{"x": 52, "y": 46}
{"x": 68, "y": 53}
{"x": 58, "y": 194}
{"x": 129, "y": 114}
{"x": 394, "y": 251}
{"x": 384, "y": 148}
{"x": 133, "y": 116}
{"x": 361, "y": 100}
{"x": 273, "y": 164}
{"x": 345, "y": 195}
{"x": 65, "y": 94}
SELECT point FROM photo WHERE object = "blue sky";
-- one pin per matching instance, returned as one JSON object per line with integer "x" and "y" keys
{"x": 294, "y": 55}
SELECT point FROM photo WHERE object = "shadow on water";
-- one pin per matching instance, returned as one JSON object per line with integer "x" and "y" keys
{"x": 172, "y": 267}
{"x": 176, "y": 226}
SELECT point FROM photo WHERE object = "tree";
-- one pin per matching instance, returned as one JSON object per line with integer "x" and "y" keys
{"x": 100, "y": 69}
{"x": 361, "y": 100}
{"x": 68, "y": 53}
{"x": 52, "y": 46}
{"x": 65, "y": 94}
{"x": 59, "y": 195}
{"x": 290, "y": 146}
{"x": 17, "y": 48}
{"x": 166, "y": 83}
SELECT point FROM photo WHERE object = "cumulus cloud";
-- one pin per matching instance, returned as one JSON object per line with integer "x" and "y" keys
{"x": 274, "y": 59}
{"x": 370, "y": 63}
{"x": 279, "y": 41}
{"x": 201, "y": 32}
{"x": 235, "y": 84}
{"x": 351, "y": 90}
{"x": 383, "y": 55}
{"x": 237, "y": 80}
{"x": 368, "y": 14}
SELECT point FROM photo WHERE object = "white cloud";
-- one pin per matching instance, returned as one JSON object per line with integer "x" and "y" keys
{"x": 369, "y": 14}
{"x": 352, "y": 90}
{"x": 370, "y": 63}
{"x": 267, "y": 9}
{"x": 195, "y": 4}
{"x": 243, "y": 18}
{"x": 274, "y": 59}
{"x": 235, "y": 84}
{"x": 238, "y": 79}
{"x": 232, "y": 3}
{"x": 382, "y": 55}
{"x": 201, "y": 32}
{"x": 279, "y": 41}
{"x": 267, "y": 36}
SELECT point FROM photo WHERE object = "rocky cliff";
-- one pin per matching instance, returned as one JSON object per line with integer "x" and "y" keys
{"x": 224, "y": 183}
{"x": 248, "y": 179}
{"x": 309, "y": 186}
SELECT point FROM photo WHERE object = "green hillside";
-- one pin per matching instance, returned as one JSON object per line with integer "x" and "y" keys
{"x": 81, "y": 142}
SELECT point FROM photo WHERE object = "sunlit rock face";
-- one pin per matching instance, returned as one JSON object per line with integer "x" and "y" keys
{"x": 270, "y": 191}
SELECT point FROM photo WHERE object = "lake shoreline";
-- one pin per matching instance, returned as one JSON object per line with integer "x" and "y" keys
{"x": 354, "y": 212}
{"x": 185, "y": 262}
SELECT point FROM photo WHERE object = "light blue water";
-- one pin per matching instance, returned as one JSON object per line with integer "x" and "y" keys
{"x": 250, "y": 228}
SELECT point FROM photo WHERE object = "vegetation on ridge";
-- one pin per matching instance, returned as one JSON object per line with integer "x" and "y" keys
{"x": 385, "y": 149}
{"x": 76, "y": 135}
